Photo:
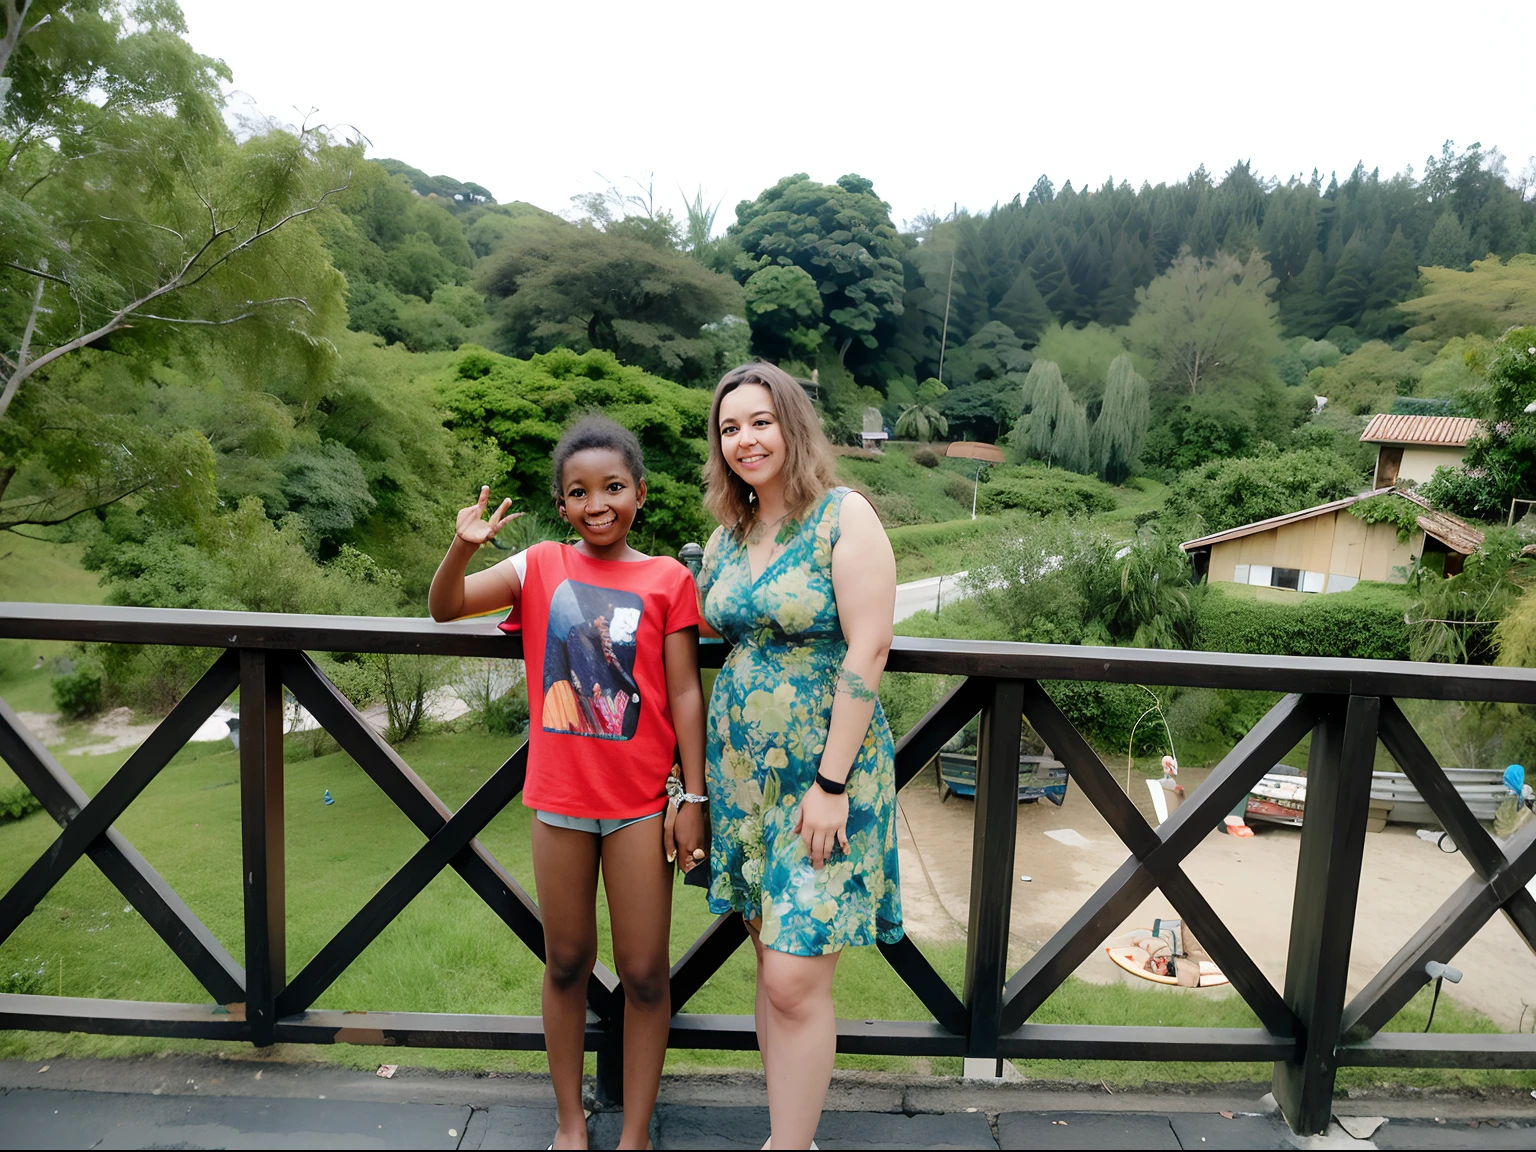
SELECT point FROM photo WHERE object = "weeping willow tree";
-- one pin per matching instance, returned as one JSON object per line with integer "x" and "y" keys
{"x": 1121, "y": 429}
{"x": 1058, "y": 425}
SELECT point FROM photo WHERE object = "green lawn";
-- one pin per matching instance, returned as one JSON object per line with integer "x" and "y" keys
{"x": 447, "y": 952}
{"x": 38, "y": 571}
{"x": 936, "y": 549}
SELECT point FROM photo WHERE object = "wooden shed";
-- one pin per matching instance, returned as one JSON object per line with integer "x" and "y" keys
{"x": 1326, "y": 549}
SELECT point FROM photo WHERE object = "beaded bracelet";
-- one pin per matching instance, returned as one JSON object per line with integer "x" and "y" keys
{"x": 680, "y": 795}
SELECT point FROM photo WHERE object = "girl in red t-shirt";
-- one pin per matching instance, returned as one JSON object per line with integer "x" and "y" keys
{"x": 610, "y": 644}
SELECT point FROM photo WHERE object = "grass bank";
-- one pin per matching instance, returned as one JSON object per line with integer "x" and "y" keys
{"x": 39, "y": 571}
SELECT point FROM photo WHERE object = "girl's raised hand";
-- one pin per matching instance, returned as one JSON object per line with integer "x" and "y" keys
{"x": 472, "y": 527}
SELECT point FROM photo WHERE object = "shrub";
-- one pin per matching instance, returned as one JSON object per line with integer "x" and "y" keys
{"x": 1106, "y": 713}
{"x": 17, "y": 801}
{"x": 27, "y": 980}
{"x": 1475, "y": 493}
{"x": 1365, "y": 623}
{"x": 926, "y": 456}
{"x": 1226, "y": 493}
{"x": 959, "y": 488}
{"x": 1044, "y": 493}
{"x": 78, "y": 693}
{"x": 1421, "y": 406}
{"x": 507, "y": 715}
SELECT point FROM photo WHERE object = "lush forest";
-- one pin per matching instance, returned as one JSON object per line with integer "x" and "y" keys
{"x": 250, "y": 367}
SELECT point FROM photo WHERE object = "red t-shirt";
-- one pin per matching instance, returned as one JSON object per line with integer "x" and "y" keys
{"x": 601, "y": 741}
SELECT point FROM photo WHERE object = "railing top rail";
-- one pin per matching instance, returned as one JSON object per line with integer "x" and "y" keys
{"x": 480, "y": 637}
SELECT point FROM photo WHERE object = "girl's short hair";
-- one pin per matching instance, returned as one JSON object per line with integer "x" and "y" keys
{"x": 810, "y": 470}
{"x": 594, "y": 430}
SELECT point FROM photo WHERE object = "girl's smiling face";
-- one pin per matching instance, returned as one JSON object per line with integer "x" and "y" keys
{"x": 599, "y": 496}
{"x": 751, "y": 438}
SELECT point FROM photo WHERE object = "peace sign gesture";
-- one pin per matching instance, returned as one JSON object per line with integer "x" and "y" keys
{"x": 473, "y": 528}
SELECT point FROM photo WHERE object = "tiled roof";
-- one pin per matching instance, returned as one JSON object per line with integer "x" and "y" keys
{"x": 1454, "y": 533}
{"x": 1448, "y": 431}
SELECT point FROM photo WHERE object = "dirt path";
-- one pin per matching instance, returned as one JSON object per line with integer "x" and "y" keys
{"x": 1248, "y": 882}
{"x": 114, "y": 731}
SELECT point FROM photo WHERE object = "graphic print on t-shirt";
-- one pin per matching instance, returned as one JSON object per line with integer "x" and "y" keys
{"x": 589, "y": 662}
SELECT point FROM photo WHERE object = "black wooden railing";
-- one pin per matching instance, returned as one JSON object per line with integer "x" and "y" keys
{"x": 1308, "y": 1029}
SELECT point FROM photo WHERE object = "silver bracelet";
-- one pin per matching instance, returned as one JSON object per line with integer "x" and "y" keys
{"x": 680, "y": 795}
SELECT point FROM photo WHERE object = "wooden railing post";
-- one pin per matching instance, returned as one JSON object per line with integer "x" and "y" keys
{"x": 261, "y": 823}
{"x": 1323, "y": 912}
{"x": 609, "y": 1087}
{"x": 992, "y": 851}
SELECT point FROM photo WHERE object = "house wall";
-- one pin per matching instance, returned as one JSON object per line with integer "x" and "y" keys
{"x": 1420, "y": 462}
{"x": 1336, "y": 547}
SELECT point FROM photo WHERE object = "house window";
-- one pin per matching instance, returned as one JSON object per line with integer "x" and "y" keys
{"x": 1240, "y": 574}
{"x": 1313, "y": 581}
{"x": 1259, "y": 574}
{"x": 1285, "y": 578}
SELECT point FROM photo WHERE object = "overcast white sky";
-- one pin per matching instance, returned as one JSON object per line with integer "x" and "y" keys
{"x": 956, "y": 102}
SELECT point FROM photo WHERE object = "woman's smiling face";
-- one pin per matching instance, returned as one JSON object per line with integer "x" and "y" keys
{"x": 751, "y": 437}
{"x": 599, "y": 496}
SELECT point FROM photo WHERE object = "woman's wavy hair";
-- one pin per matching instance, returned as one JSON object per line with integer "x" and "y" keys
{"x": 810, "y": 469}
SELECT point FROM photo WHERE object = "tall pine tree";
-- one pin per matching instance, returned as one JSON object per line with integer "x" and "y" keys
{"x": 1393, "y": 283}
{"x": 1449, "y": 245}
{"x": 1349, "y": 286}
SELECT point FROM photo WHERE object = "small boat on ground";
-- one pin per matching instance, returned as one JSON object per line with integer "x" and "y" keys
{"x": 1481, "y": 788}
{"x": 1038, "y": 776}
{"x": 1280, "y": 797}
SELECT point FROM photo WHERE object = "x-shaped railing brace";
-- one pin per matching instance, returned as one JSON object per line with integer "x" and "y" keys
{"x": 87, "y": 831}
{"x": 1155, "y": 858}
{"x": 1498, "y": 883}
{"x": 450, "y": 843}
{"x": 915, "y": 750}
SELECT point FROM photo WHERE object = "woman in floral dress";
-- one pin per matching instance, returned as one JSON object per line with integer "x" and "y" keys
{"x": 802, "y": 785}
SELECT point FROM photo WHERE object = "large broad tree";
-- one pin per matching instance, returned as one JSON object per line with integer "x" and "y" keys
{"x": 522, "y": 406}
{"x": 1205, "y": 321}
{"x": 841, "y": 235}
{"x": 551, "y": 284}
{"x": 133, "y": 225}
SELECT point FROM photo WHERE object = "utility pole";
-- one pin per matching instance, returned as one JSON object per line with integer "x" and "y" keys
{"x": 944, "y": 338}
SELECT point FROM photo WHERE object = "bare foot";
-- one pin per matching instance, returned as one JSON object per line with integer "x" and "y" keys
{"x": 571, "y": 1135}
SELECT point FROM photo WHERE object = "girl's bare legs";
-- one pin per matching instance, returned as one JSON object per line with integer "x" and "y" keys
{"x": 638, "y": 880}
{"x": 565, "y": 871}
{"x": 797, "y": 1033}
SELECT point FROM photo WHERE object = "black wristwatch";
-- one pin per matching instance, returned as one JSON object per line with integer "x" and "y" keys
{"x": 830, "y": 787}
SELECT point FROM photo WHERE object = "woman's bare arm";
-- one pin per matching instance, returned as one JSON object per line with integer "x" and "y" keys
{"x": 452, "y": 595}
{"x": 864, "y": 582}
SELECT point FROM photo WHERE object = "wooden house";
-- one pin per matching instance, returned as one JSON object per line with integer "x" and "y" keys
{"x": 1327, "y": 549}
{"x": 1410, "y": 448}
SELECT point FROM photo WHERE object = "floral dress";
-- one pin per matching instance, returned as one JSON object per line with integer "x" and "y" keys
{"x": 768, "y": 720}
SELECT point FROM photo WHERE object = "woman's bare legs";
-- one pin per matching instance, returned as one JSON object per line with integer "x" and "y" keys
{"x": 638, "y": 879}
{"x": 565, "y": 871}
{"x": 797, "y": 1034}
{"x": 760, "y": 1000}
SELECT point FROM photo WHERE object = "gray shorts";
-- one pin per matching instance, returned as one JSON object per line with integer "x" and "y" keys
{"x": 596, "y": 827}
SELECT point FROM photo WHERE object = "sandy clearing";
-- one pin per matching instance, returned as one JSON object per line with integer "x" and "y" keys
{"x": 1248, "y": 882}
